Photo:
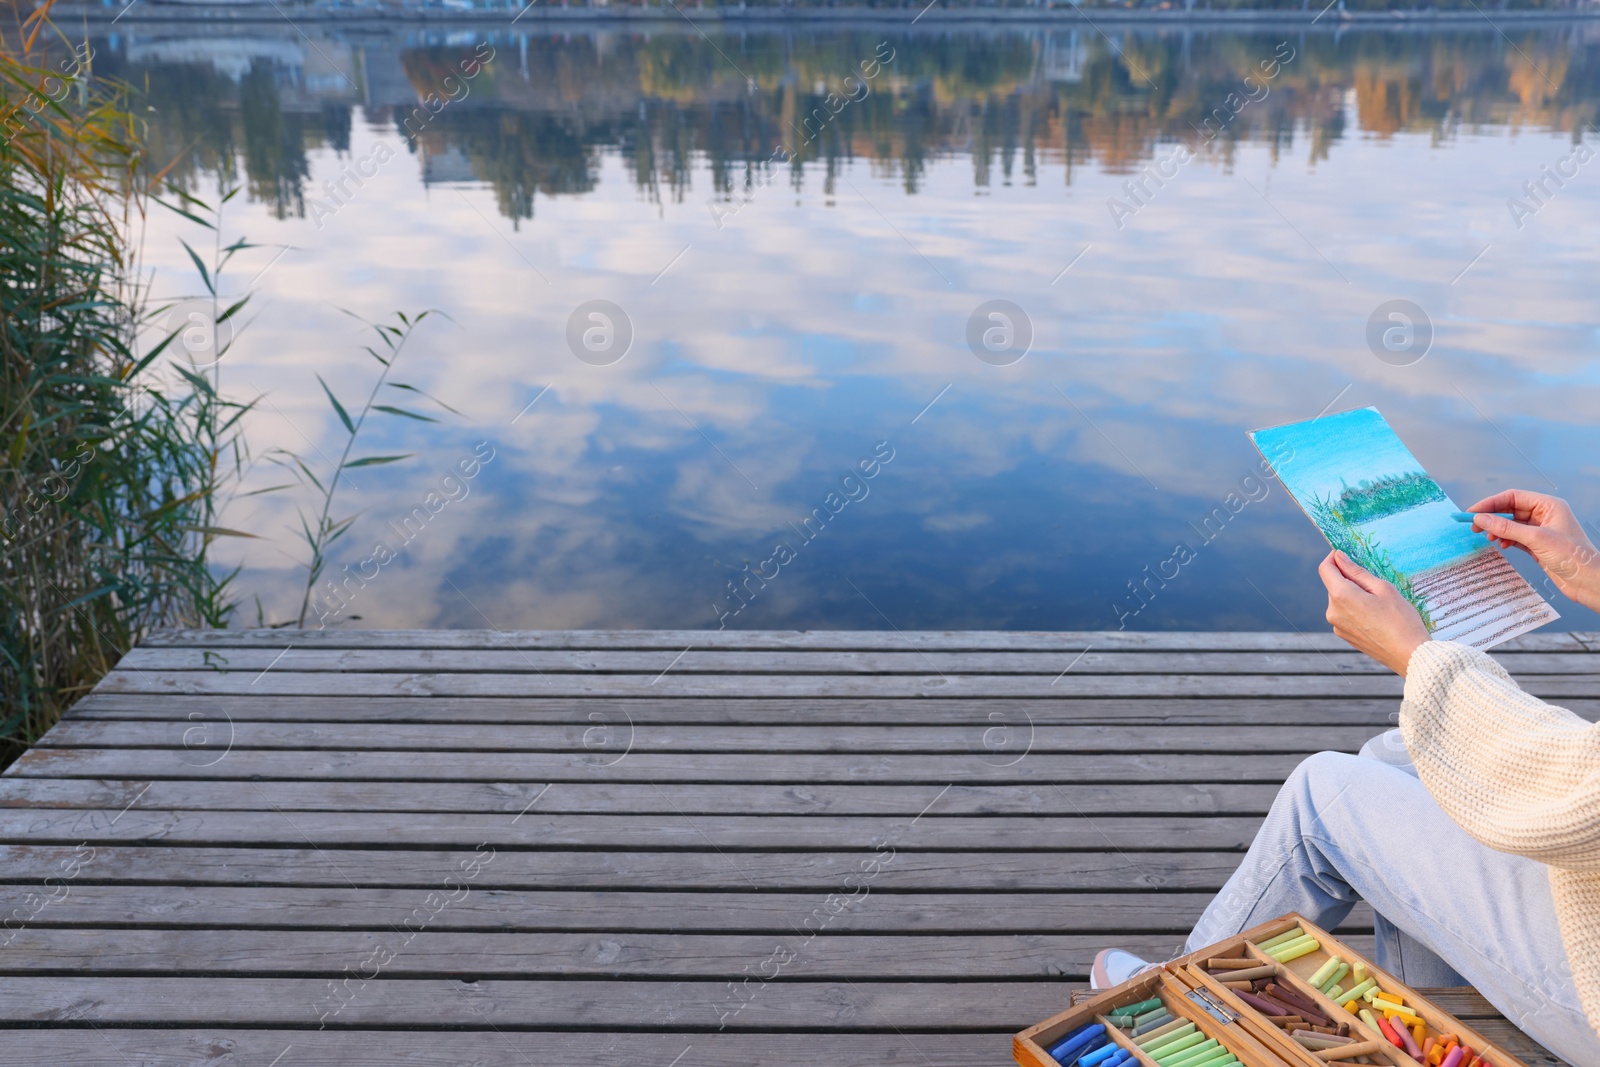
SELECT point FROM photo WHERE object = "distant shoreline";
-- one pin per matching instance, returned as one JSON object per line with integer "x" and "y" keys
{"x": 197, "y": 14}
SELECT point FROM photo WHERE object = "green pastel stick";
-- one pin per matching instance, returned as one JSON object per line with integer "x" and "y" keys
{"x": 1140, "y": 1008}
{"x": 1320, "y": 976}
{"x": 1287, "y": 935}
{"x": 1162, "y": 1049}
{"x": 1160, "y": 1023}
{"x": 1295, "y": 949}
{"x": 1336, "y": 993}
{"x": 1357, "y": 992}
{"x": 1192, "y": 1055}
{"x": 1172, "y": 1029}
{"x": 1124, "y": 1021}
{"x": 1161, "y": 1052}
{"x": 1215, "y": 1057}
{"x": 1151, "y": 1040}
{"x": 1338, "y": 976}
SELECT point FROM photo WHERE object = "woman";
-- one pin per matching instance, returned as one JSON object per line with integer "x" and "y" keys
{"x": 1473, "y": 830}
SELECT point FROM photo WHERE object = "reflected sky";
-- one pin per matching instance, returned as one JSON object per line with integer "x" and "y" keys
{"x": 793, "y": 320}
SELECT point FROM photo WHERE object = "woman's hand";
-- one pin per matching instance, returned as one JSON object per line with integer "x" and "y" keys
{"x": 1547, "y": 530}
{"x": 1370, "y": 613}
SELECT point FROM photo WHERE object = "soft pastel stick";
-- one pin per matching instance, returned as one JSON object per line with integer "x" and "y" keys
{"x": 1212, "y": 1058}
{"x": 1335, "y": 992}
{"x": 1468, "y": 516}
{"x": 1193, "y": 1055}
{"x": 1281, "y": 939}
{"x": 1293, "y": 950}
{"x": 1074, "y": 1044}
{"x": 1322, "y": 975}
{"x": 1358, "y": 972}
{"x": 1370, "y": 1019}
{"x": 1099, "y": 1055}
{"x": 1145, "y": 1016}
{"x": 1119, "y": 1055}
{"x": 1139, "y": 1008}
{"x": 1165, "y": 1019}
{"x": 1156, "y": 1033}
{"x": 1408, "y": 1042}
{"x": 1360, "y": 990}
{"x": 1161, "y": 1051}
{"x": 1210, "y": 1055}
{"x": 1350, "y": 1052}
{"x": 1454, "y": 1059}
{"x": 1388, "y": 1032}
{"x": 1338, "y": 976}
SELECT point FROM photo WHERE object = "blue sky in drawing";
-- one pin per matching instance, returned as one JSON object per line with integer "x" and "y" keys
{"x": 1335, "y": 450}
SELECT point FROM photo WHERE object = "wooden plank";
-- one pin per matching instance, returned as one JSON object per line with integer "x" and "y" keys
{"x": 1050, "y": 710}
{"x": 991, "y": 767}
{"x": 537, "y": 829}
{"x": 715, "y": 661}
{"x": 1001, "y": 735}
{"x": 1215, "y": 711}
{"x": 1127, "y": 871}
{"x": 413, "y": 953}
{"x": 216, "y": 1047}
{"x": 676, "y": 640}
{"x": 686, "y": 799}
{"x": 672, "y": 684}
{"x": 597, "y": 1005}
{"x": 340, "y": 907}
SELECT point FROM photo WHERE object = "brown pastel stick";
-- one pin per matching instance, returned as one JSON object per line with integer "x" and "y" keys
{"x": 1246, "y": 986}
{"x": 1295, "y": 1003}
{"x": 1268, "y": 970}
{"x": 1287, "y": 1021}
{"x": 1228, "y": 963}
{"x": 1352, "y": 1051}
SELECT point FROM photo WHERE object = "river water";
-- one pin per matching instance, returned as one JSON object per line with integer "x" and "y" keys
{"x": 798, "y": 234}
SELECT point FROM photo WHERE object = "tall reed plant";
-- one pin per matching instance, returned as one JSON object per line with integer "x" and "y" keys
{"x": 111, "y": 460}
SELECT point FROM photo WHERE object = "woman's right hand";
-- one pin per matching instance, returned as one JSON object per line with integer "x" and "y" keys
{"x": 1547, "y": 530}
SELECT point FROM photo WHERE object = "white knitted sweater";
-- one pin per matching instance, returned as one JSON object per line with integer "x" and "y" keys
{"x": 1519, "y": 775}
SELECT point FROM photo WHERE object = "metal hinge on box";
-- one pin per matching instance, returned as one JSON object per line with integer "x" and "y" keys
{"x": 1217, "y": 1011}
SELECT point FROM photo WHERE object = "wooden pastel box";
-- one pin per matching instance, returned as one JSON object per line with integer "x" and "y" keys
{"x": 1226, "y": 1013}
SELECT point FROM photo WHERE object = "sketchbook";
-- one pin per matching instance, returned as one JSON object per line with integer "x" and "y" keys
{"x": 1373, "y": 501}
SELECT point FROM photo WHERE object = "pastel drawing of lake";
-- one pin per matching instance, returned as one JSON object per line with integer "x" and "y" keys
{"x": 1373, "y": 501}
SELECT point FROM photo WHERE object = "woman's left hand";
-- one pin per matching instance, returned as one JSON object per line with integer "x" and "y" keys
{"x": 1370, "y": 613}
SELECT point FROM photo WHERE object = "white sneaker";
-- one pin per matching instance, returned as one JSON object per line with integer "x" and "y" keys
{"x": 1113, "y": 966}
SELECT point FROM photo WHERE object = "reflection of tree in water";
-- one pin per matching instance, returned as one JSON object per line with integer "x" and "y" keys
{"x": 274, "y": 143}
{"x": 540, "y": 118}
{"x": 518, "y": 153}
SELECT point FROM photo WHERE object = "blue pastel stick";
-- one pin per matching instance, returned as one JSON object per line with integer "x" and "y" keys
{"x": 1468, "y": 516}
{"x": 1099, "y": 1055}
{"x": 1077, "y": 1042}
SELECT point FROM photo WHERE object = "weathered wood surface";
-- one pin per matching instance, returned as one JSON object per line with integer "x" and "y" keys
{"x": 691, "y": 849}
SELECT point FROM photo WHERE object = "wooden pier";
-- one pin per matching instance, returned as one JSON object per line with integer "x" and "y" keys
{"x": 647, "y": 849}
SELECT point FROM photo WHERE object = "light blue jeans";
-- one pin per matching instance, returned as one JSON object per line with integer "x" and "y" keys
{"x": 1449, "y": 911}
